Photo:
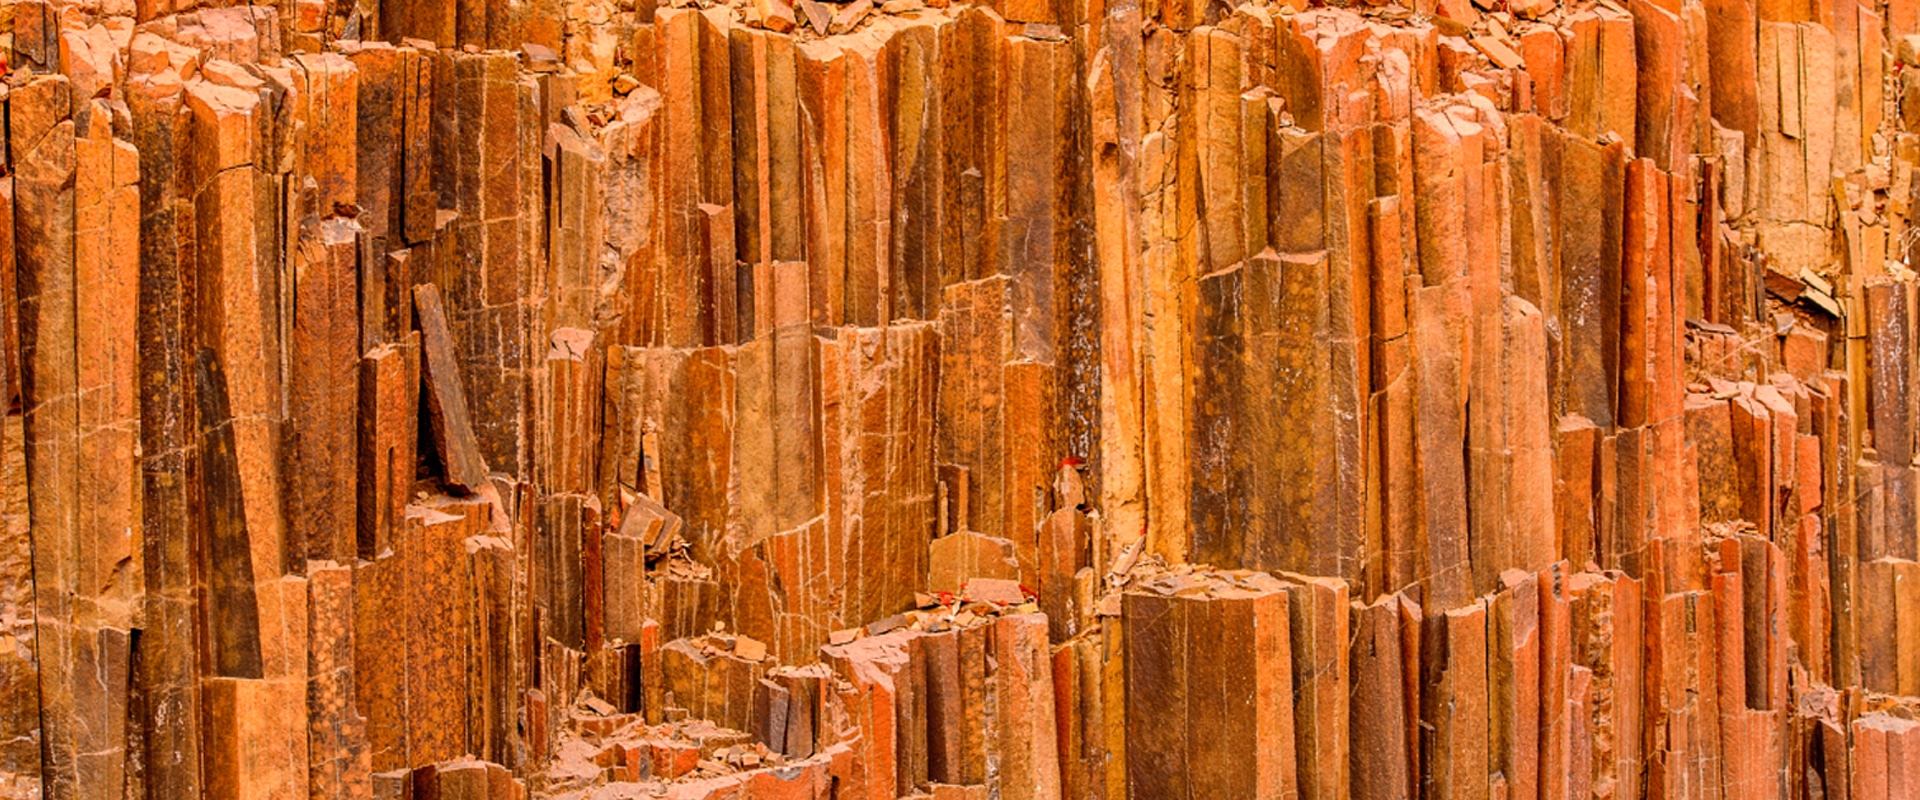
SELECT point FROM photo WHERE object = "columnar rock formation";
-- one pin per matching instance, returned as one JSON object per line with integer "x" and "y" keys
{"x": 463, "y": 399}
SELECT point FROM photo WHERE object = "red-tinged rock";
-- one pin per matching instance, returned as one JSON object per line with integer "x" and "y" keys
{"x": 689, "y": 605}
{"x": 463, "y": 779}
{"x": 438, "y": 614}
{"x": 671, "y": 760}
{"x": 1557, "y": 719}
{"x": 955, "y": 559}
{"x": 1378, "y": 755}
{"x": 1890, "y": 361}
{"x": 1602, "y": 73}
{"x": 419, "y": 201}
{"x": 388, "y": 435}
{"x": 1035, "y": 236}
{"x": 1080, "y": 716}
{"x": 1729, "y": 604}
{"x": 19, "y": 673}
{"x": 1216, "y": 58}
{"x": 1023, "y": 718}
{"x": 989, "y": 590}
{"x": 1515, "y": 663}
{"x": 1803, "y": 353}
{"x": 1873, "y": 754}
{"x": 326, "y": 89}
{"x": 493, "y": 700}
{"x": 824, "y": 180}
{"x": 805, "y": 735}
{"x": 1530, "y": 466}
{"x": 564, "y": 524}
{"x": 716, "y": 686}
{"x": 877, "y": 393}
{"x": 1247, "y": 512}
{"x": 1193, "y": 662}
{"x": 1440, "y": 203}
{"x": 502, "y": 784}
{"x": 1343, "y": 43}
{"x": 688, "y": 456}
{"x": 1643, "y": 218}
{"x": 1832, "y": 763}
{"x": 1589, "y": 217}
{"x": 1217, "y": 407}
{"x": 488, "y": 136}
{"x": 1809, "y": 491}
{"x": 257, "y": 738}
{"x": 1577, "y": 488}
{"x": 1903, "y": 748}
{"x": 1392, "y": 421}
{"x": 1455, "y": 704}
{"x": 771, "y": 709}
{"x": 446, "y": 395}
{"x": 393, "y": 785}
{"x": 946, "y": 791}
{"x": 1753, "y": 458}
{"x": 1158, "y": 662}
{"x": 1676, "y": 511}
{"x": 435, "y": 21}
{"x": 938, "y": 657}
{"x": 776, "y": 461}
{"x": 1606, "y": 624}
{"x": 1626, "y": 491}
{"x": 105, "y": 285}
{"x": 802, "y": 781}
{"x": 1441, "y": 435}
{"x": 1318, "y": 626}
{"x": 379, "y": 143}
{"x": 1710, "y": 431}
{"x": 244, "y": 342}
{"x": 569, "y": 419}
{"x": 77, "y": 249}
{"x": 1580, "y": 734}
{"x": 909, "y": 92}
{"x": 1031, "y": 452}
{"x": 865, "y": 172}
{"x": 1065, "y": 551}
{"x": 1297, "y": 164}
{"x": 323, "y": 389}
{"x": 1902, "y": 18}
{"x": 1810, "y": 598}
{"x": 976, "y": 336}
{"x": 1544, "y": 51}
{"x": 623, "y": 565}
{"x": 874, "y": 666}
{"x": 1906, "y": 625}
{"x": 1876, "y": 536}
{"x": 283, "y": 628}
{"x": 1662, "y": 131}
{"x": 379, "y": 682}
{"x": 1783, "y": 446}
{"x": 1706, "y": 741}
{"x": 972, "y": 164}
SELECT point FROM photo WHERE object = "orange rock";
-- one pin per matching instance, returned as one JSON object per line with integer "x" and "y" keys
{"x": 957, "y": 559}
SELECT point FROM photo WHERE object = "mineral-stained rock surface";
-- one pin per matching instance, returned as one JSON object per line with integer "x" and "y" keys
{"x": 960, "y": 399}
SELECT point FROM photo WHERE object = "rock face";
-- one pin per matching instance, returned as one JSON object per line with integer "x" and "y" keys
{"x": 1013, "y": 399}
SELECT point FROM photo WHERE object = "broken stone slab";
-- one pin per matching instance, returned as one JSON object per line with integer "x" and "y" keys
{"x": 447, "y": 396}
{"x": 958, "y": 558}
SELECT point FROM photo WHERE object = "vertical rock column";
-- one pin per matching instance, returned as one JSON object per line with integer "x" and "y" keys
{"x": 169, "y": 435}
{"x": 1207, "y": 688}
{"x": 77, "y": 233}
